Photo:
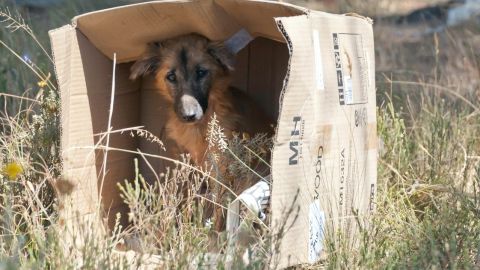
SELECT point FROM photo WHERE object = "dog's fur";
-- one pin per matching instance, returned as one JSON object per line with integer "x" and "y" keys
{"x": 183, "y": 56}
{"x": 194, "y": 76}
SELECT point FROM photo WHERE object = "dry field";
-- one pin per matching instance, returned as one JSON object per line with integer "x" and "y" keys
{"x": 428, "y": 207}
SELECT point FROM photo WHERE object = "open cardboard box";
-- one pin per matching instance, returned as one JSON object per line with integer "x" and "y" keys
{"x": 311, "y": 70}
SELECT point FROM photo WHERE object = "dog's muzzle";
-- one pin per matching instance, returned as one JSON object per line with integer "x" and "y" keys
{"x": 190, "y": 109}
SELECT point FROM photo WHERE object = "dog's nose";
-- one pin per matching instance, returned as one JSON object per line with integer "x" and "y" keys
{"x": 189, "y": 118}
{"x": 189, "y": 110}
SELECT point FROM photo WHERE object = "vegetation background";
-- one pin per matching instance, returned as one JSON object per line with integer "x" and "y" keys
{"x": 428, "y": 207}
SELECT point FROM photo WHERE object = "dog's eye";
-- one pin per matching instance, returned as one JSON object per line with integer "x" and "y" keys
{"x": 171, "y": 77}
{"x": 201, "y": 73}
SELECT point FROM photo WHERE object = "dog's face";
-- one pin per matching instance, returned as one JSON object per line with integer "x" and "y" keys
{"x": 186, "y": 69}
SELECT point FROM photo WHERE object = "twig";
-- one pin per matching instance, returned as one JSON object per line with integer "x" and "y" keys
{"x": 19, "y": 97}
{"x": 51, "y": 86}
{"x": 109, "y": 127}
{"x": 18, "y": 23}
{"x": 138, "y": 152}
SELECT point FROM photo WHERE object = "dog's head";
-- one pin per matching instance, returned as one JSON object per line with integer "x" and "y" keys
{"x": 186, "y": 68}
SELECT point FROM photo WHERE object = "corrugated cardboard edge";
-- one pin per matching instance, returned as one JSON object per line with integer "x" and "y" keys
{"x": 353, "y": 14}
{"x": 278, "y": 262}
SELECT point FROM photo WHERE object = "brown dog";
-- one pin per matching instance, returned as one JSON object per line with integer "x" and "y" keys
{"x": 194, "y": 75}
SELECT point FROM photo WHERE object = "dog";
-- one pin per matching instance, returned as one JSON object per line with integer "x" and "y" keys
{"x": 194, "y": 76}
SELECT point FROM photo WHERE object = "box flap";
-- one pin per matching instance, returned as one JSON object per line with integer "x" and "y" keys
{"x": 126, "y": 30}
{"x": 84, "y": 78}
{"x": 76, "y": 128}
{"x": 323, "y": 163}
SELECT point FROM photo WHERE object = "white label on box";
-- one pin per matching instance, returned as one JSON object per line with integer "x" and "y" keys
{"x": 348, "y": 90}
{"x": 238, "y": 41}
{"x": 318, "y": 60}
{"x": 351, "y": 67}
{"x": 316, "y": 221}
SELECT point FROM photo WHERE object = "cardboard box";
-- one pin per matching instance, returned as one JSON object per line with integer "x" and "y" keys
{"x": 311, "y": 70}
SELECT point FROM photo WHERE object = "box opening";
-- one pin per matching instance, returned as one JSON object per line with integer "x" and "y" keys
{"x": 260, "y": 71}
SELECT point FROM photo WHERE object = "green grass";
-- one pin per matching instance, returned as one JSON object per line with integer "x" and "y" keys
{"x": 427, "y": 210}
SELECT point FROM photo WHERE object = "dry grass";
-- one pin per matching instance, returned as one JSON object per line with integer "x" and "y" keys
{"x": 428, "y": 209}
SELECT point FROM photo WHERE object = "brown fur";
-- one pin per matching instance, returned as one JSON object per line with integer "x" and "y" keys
{"x": 235, "y": 113}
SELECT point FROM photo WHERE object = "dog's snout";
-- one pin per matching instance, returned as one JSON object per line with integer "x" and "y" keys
{"x": 189, "y": 109}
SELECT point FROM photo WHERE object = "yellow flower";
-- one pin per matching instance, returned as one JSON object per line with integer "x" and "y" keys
{"x": 43, "y": 83}
{"x": 12, "y": 170}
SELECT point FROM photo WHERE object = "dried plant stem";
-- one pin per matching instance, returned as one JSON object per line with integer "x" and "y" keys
{"x": 36, "y": 72}
{"x": 15, "y": 24}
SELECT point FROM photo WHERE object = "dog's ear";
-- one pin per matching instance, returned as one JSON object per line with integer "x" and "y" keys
{"x": 222, "y": 55}
{"x": 148, "y": 64}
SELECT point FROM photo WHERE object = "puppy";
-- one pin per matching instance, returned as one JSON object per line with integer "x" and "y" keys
{"x": 194, "y": 76}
